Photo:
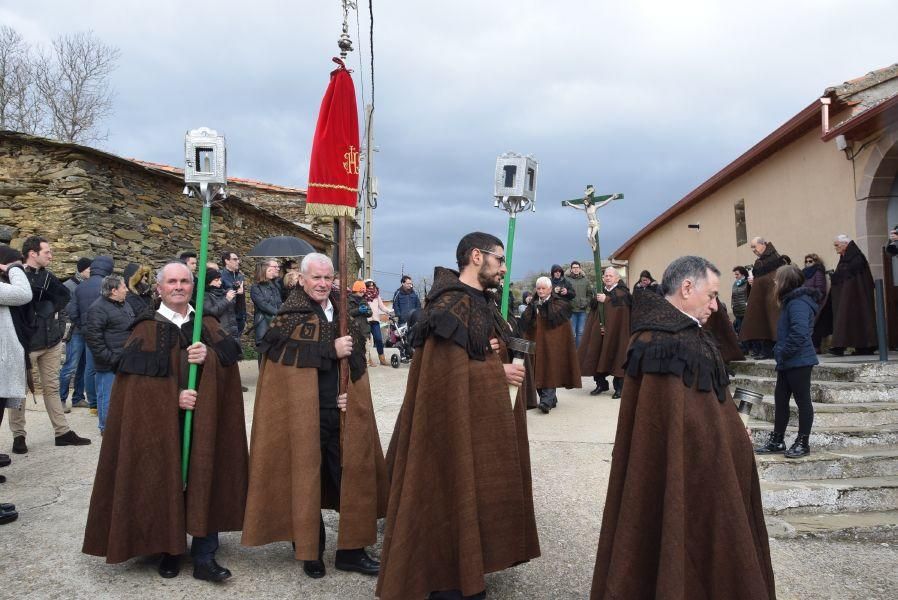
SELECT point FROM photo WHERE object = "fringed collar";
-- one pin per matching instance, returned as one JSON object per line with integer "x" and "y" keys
{"x": 678, "y": 346}
{"x": 461, "y": 314}
{"x": 769, "y": 261}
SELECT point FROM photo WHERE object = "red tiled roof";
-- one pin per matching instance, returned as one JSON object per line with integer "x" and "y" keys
{"x": 236, "y": 180}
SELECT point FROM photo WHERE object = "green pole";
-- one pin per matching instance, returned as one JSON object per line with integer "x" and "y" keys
{"x": 197, "y": 324}
{"x": 509, "y": 248}
{"x": 597, "y": 265}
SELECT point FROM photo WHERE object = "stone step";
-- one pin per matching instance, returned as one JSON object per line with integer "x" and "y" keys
{"x": 875, "y": 526}
{"x": 834, "y": 415}
{"x": 849, "y": 368}
{"x": 830, "y": 495}
{"x": 832, "y": 438}
{"x": 827, "y": 392}
{"x": 830, "y": 464}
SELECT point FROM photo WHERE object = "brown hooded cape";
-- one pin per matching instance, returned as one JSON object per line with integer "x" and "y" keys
{"x": 848, "y": 313}
{"x": 286, "y": 487}
{"x": 683, "y": 516}
{"x": 138, "y": 505}
{"x": 720, "y": 326}
{"x": 461, "y": 502}
{"x": 762, "y": 311}
{"x": 607, "y": 353}
{"x": 555, "y": 361}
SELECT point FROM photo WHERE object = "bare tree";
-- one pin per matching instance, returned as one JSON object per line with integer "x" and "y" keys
{"x": 72, "y": 81}
{"x": 19, "y": 108}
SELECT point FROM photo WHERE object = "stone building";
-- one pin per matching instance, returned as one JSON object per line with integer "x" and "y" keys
{"x": 830, "y": 169}
{"x": 88, "y": 202}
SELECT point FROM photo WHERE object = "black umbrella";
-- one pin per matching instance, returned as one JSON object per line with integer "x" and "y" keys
{"x": 282, "y": 246}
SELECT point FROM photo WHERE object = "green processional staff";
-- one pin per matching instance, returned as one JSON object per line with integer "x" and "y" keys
{"x": 514, "y": 191}
{"x": 591, "y": 204}
{"x": 205, "y": 175}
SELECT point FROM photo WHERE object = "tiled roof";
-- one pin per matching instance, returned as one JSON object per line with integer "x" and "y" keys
{"x": 270, "y": 187}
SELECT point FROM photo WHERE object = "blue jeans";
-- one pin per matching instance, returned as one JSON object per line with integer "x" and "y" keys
{"x": 74, "y": 366}
{"x": 202, "y": 549}
{"x": 578, "y": 322}
{"x": 90, "y": 385}
{"x": 378, "y": 338}
{"x": 104, "y": 388}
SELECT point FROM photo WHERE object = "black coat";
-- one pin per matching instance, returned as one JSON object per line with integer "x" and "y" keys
{"x": 106, "y": 331}
{"x": 267, "y": 299}
{"x": 89, "y": 290}
{"x": 216, "y": 304}
{"x": 49, "y": 298}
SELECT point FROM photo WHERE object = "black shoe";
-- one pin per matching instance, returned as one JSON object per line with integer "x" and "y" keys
{"x": 2, "y": 478}
{"x": 18, "y": 445}
{"x": 210, "y": 571}
{"x": 773, "y": 445}
{"x": 836, "y": 351}
{"x": 615, "y": 395}
{"x": 356, "y": 560}
{"x": 70, "y": 438}
{"x": 7, "y": 507}
{"x": 599, "y": 389}
{"x": 8, "y": 517}
{"x": 5, "y": 460}
{"x": 81, "y": 404}
{"x": 800, "y": 448}
{"x": 314, "y": 568}
{"x": 170, "y": 565}
{"x": 544, "y": 407}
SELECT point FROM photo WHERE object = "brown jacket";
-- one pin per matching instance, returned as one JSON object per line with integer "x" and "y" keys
{"x": 286, "y": 490}
{"x": 762, "y": 311}
{"x": 138, "y": 505}
{"x": 720, "y": 326}
{"x": 606, "y": 354}
{"x": 461, "y": 503}
{"x": 555, "y": 361}
{"x": 683, "y": 516}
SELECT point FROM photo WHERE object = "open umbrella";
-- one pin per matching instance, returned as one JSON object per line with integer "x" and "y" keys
{"x": 282, "y": 246}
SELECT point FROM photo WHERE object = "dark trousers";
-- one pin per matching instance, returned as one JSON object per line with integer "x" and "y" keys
{"x": 330, "y": 467}
{"x": 797, "y": 383}
{"x": 378, "y": 336}
{"x": 548, "y": 397}
{"x": 203, "y": 549}
{"x": 602, "y": 381}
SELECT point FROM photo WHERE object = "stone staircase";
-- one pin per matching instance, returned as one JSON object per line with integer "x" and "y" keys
{"x": 848, "y": 487}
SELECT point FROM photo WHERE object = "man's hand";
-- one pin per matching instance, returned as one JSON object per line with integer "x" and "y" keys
{"x": 748, "y": 431}
{"x": 187, "y": 399}
{"x": 230, "y": 295}
{"x": 494, "y": 344}
{"x": 601, "y": 298}
{"x": 563, "y": 291}
{"x": 343, "y": 346}
{"x": 341, "y": 401}
{"x": 196, "y": 353}
{"x": 514, "y": 374}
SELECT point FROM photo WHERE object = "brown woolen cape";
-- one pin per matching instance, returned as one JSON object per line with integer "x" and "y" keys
{"x": 851, "y": 302}
{"x": 683, "y": 516}
{"x": 762, "y": 311}
{"x": 461, "y": 501}
{"x": 286, "y": 487}
{"x": 607, "y": 353}
{"x": 138, "y": 506}
{"x": 555, "y": 361}
{"x": 720, "y": 326}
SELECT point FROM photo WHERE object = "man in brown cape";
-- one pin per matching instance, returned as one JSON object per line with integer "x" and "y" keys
{"x": 304, "y": 457}
{"x": 683, "y": 516}
{"x": 603, "y": 349}
{"x": 138, "y": 505}
{"x": 555, "y": 360}
{"x": 848, "y": 312}
{"x": 759, "y": 324}
{"x": 461, "y": 503}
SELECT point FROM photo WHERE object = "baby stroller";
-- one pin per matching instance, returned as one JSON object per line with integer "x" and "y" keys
{"x": 398, "y": 337}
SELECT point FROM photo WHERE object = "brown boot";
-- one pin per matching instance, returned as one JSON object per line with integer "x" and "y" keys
{"x": 383, "y": 359}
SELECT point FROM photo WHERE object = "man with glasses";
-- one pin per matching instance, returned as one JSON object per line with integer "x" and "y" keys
{"x": 461, "y": 503}
{"x": 233, "y": 279}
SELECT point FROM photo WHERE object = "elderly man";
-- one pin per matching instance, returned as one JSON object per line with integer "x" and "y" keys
{"x": 849, "y": 312}
{"x": 555, "y": 362}
{"x": 305, "y": 457}
{"x": 683, "y": 484}
{"x": 759, "y": 325}
{"x": 461, "y": 503}
{"x": 139, "y": 505}
{"x": 603, "y": 349}
{"x": 107, "y": 329}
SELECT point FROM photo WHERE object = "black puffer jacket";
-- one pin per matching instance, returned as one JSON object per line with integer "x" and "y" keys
{"x": 108, "y": 328}
{"x": 216, "y": 304}
{"x": 48, "y": 299}
{"x": 88, "y": 291}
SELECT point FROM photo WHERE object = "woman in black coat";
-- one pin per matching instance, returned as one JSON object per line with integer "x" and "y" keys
{"x": 266, "y": 297}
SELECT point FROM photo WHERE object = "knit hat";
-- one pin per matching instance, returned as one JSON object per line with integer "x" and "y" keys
{"x": 82, "y": 264}
{"x": 212, "y": 275}
{"x": 358, "y": 286}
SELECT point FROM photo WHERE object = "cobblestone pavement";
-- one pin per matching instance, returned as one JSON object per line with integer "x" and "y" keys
{"x": 570, "y": 450}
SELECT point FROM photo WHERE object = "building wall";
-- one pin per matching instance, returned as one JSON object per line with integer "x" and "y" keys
{"x": 798, "y": 199}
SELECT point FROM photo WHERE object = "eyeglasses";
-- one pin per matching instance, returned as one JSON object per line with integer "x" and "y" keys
{"x": 500, "y": 258}
{"x": 809, "y": 261}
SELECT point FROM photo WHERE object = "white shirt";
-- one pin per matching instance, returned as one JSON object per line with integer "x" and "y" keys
{"x": 174, "y": 317}
{"x": 699, "y": 323}
{"x": 329, "y": 311}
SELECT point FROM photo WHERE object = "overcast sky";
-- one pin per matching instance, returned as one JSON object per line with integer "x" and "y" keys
{"x": 646, "y": 97}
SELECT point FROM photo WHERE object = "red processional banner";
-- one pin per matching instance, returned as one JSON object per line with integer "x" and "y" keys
{"x": 334, "y": 165}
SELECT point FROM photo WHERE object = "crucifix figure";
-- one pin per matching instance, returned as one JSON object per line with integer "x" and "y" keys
{"x": 591, "y": 205}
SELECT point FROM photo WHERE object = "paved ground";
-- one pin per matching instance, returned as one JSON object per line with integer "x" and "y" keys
{"x": 570, "y": 450}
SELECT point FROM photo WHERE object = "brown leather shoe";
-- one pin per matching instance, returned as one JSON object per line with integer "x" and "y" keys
{"x": 383, "y": 359}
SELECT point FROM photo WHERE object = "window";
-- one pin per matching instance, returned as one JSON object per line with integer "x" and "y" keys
{"x": 741, "y": 230}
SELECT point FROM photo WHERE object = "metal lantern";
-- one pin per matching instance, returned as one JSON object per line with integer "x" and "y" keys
{"x": 205, "y": 160}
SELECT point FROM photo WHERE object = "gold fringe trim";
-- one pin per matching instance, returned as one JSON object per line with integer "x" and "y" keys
{"x": 334, "y": 186}
{"x": 329, "y": 210}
